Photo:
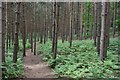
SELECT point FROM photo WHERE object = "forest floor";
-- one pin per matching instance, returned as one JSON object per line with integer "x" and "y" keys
{"x": 35, "y": 67}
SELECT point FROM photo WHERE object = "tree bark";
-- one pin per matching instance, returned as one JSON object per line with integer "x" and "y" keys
{"x": 24, "y": 31}
{"x": 95, "y": 23}
{"x": 64, "y": 23}
{"x": 3, "y": 33}
{"x": 35, "y": 33}
{"x": 71, "y": 23}
{"x": 98, "y": 26}
{"x": 103, "y": 50}
{"x": 81, "y": 14}
{"x": 6, "y": 27}
{"x": 45, "y": 25}
{"x": 54, "y": 24}
{"x": 56, "y": 30}
{"x": 55, "y": 33}
{"x": 77, "y": 30}
{"x": 16, "y": 32}
{"x": 114, "y": 19}
{"x": 12, "y": 23}
{"x": 108, "y": 23}
{"x": 0, "y": 37}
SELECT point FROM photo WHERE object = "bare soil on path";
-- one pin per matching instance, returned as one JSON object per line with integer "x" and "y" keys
{"x": 35, "y": 67}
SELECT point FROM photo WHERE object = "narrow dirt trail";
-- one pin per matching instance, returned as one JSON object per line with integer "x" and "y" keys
{"x": 35, "y": 67}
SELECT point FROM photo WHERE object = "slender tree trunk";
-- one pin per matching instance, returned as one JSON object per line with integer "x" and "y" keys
{"x": 6, "y": 27}
{"x": 54, "y": 24}
{"x": 12, "y": 24}
{"x": 71, "y": 23}
{"x": 108, "y": 23}
{"x": 51, "y": 26}
{"x": 35, "y": 33}
{"x": 103, "y": 50}
{"x": 64, "y": 26}
{"x": 32, "y": 28}
{"x": 98, "y": 26}
{"x": 9, "y": 13}
{"x": 16, "y": 32}
{"x": 114, "y": 19}
{"x": 56, "y": 30}
{"x": 3, "y": 33}
{"x": 41, "y": 29}
{"x": 84, "y": 23}
{"x": 24, "y": 31}
{"x": 1, "y": 26}
{"x": 95, "y": 23}
{"x": 81, "y": 28}
{"x": 45, "y": 25}
{"x": 77, "y": 27}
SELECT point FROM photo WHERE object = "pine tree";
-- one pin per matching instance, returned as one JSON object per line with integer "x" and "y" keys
{"x": 34, "y": 29}
{"x": 24, "y": 30}
{"x": 3, "y": 32}
{"x": 98, "y": 26}
{"x": 16, "y": 32}
{"x": 71, "y": 23}
{"x": 114, "y": 19}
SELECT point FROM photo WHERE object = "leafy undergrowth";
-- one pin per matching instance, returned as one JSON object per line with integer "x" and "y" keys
{"x": 81, "y": 60}
{"x": 13, "y": 70}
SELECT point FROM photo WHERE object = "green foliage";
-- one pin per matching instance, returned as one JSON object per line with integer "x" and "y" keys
{"x": 81, "y": 60}
{"x": 27, "y": 44}
{"x": 21, "y": 44}
{"x": 13, "y": 70}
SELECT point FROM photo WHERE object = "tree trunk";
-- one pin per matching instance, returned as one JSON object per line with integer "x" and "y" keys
{"x": 77, "y": 24}
{"x": 12, "y": 23}
{"x": 64, "y": 23}
{"x": 98, "y": 26}
{"x": 41, "y": 29}
{"x": 45, "y": 25}
{"x": 108, "y": 23}
{"x": 1, "y": 26}
{"x": 81, "y": 13}
{"x": 56, "y": 30}
{"x": 95, "y": 23}
{"x": 114, "y": 19}
{"x": 35, "y": 33}
{"x": 103, "y": 50}
{"x": 54, "y": 24}
{"x": 3, "y": 33}
{"x": 16, "y": 32}
{"x": 51, "y": 26}
{"x": 55, "y": 33}
{"x": 6, "y": 27}
{"x": 24, "y": 31}
{"x": 71, "y": 23}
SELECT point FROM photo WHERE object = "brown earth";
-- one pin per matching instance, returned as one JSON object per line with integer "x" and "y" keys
{"x": 35, "y": 67}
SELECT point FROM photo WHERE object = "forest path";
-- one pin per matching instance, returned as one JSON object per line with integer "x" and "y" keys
{"x": 35, "y": 67}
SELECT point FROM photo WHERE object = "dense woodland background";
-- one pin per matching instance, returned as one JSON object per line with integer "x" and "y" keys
{"x": 77, "y": 39}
